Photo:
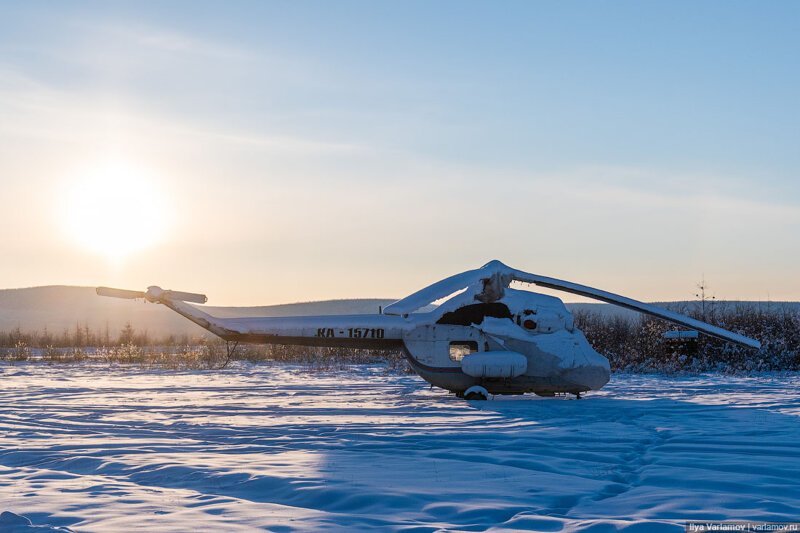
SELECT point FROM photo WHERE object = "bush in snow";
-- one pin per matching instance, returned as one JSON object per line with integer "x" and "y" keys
{"x": 637, "y": 345}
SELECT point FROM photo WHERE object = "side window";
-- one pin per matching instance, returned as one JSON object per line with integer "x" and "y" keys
{"x": 458, "y": 349}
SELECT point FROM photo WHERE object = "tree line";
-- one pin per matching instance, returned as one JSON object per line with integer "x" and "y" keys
{"x": 632, "y": 343}
{"x": 82, "y": 336}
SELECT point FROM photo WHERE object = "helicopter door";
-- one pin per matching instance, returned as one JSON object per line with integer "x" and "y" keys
{"x": 433, "y": 345}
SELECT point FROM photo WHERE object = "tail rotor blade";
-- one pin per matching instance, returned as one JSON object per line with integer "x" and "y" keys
{"x": 120, "y": 293}
{"x": 153, "y": 294}
{"x": 186, "y": 296}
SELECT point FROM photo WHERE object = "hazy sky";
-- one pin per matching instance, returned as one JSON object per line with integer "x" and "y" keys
{"x": 267, "y": 152}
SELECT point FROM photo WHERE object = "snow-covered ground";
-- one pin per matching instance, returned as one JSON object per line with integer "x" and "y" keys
{"x": 272, "y": 447}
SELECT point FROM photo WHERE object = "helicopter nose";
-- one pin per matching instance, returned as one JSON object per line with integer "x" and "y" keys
{"x": 592, "y": 377}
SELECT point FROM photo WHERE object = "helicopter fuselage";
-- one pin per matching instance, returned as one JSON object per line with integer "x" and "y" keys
{"x": 523, "y": 342}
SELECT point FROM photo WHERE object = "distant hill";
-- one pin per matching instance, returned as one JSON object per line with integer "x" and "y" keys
{"x": 62, "y": 307}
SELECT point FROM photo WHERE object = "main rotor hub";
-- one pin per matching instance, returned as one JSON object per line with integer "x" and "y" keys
{"x": 494, "y": 287}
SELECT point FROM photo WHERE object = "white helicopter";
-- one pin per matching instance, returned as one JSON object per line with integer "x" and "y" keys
{"x": 485, "y": 339}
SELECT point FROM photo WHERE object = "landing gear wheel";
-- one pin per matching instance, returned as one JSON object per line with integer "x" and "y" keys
{"x": 476, "y": 392}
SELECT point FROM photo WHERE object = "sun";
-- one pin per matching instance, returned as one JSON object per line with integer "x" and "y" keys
{"x": 114, "y": 210}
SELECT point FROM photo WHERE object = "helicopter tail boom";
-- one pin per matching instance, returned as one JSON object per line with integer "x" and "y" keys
{"x": 342, "y": 331}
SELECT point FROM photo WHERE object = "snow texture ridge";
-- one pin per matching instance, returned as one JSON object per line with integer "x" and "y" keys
{"x": 277, "y": 448}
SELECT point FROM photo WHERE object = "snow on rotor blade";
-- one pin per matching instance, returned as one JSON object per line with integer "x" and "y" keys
{"x": 434, "y": 292}
{"x": 635, "y": 305}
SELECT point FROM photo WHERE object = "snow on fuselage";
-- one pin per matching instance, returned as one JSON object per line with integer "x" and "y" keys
{"x": 539, "y": 327}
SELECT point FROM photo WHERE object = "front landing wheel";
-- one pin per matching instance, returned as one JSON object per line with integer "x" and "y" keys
{"x": 476, "y": 392}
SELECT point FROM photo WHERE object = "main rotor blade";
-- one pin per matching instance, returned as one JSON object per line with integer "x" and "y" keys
{"x": 434, "y": 292}
{"x": 120, "y": 293}
{"x": 629, "y": 303}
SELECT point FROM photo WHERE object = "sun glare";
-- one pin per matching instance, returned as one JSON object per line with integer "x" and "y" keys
{"x": 114, "y": 210}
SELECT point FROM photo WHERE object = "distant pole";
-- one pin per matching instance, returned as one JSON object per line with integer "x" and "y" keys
{"x": 702, "y": 296}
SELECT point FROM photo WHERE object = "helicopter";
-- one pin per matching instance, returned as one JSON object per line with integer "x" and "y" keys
{"x": 483, "y": 339}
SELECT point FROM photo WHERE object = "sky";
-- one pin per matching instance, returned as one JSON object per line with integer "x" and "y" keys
{"x": 271, "y": 152}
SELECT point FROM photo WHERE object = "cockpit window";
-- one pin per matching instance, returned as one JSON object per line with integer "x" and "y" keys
{"x": 459, "y": 349}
